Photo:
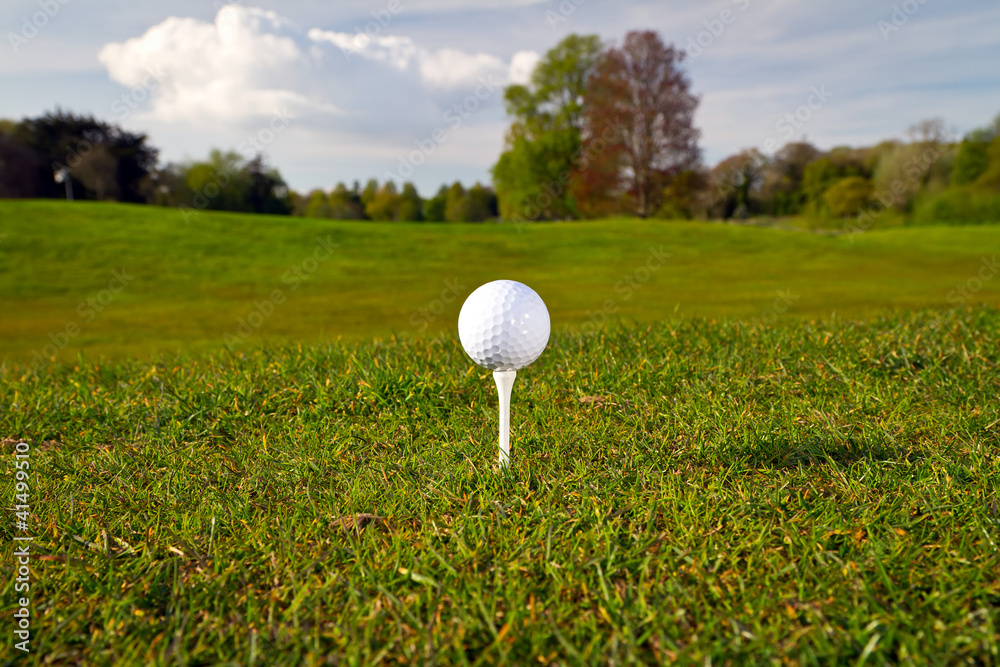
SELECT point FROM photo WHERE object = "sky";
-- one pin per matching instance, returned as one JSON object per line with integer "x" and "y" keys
{"x": 413, "y": 89}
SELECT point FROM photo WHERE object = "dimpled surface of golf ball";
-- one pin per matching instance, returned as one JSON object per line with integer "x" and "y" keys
{"x": 504, "y": 325}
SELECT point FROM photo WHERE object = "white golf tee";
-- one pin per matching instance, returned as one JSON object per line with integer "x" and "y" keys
{"x": 505, "y": 382}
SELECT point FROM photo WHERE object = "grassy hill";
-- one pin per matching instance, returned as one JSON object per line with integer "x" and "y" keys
{"x": 682, "y": 488}
{"x": 191, "y": 286}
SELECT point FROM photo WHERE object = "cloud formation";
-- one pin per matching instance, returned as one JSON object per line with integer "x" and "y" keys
{"x": 252, "y": 62}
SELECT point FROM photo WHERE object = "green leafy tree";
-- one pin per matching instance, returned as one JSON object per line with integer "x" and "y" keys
{"x": 481, "y": 203}
{"x": 542, "y": 146}
{"x": 821, "y": 174}
{"x": 456, "y": 204}
{"x": 734, "y": 181}
{"x": 346, "y": 204}
{"x": 990, "y": 178}
{"x": 219, "y": 184}
{"x": 368, "y": 194}
{"x": 781, "y": 191}
{"x": 848, "y": 196}
{"x": 434, "y": 208}
{"x": 317, "y": 205}
{"x": 266, "y": 190}
{"x": 973, "y": 157}
{"x": 409, "y": 206}
{"x": 121, "y": 165}
{"x": 382, "y": 206}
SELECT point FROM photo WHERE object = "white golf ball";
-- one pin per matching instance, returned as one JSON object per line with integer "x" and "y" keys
{"x": 504, "y": 325}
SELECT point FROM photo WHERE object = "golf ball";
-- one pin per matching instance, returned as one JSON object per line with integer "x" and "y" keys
{"x": 504, "y": 325}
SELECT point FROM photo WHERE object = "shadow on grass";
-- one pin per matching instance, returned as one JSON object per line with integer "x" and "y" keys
{"x": 783, "y": 453}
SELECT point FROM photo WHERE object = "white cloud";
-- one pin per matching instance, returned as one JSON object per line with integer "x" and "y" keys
{"x": 522, "y": 65}
{"x": 251, "y": 62}
{"x": 233, "y": 68}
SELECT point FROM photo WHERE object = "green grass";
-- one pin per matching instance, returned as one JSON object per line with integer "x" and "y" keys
{"x": 193, "y": 283}
{"x": 806, "y": 493}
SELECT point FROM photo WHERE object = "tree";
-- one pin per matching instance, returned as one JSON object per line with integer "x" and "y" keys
{"x": 542, "y": 146}
{"x": 19, "y": 166}
{"x": 227, "y": 181}
{"x": 368, "y": 194}
{"x": 735, "y": 178}
{"x": 848, "y": 196}
{"x": 638, "y": 119}
{"x": 97, "y": 173}
{"x": 481, "y": 203}
{"x": 382, "y": 205}
{"x": 346, "y": 204}
{"x": 973, "y": 157}
{"x": 62, "y": 139}
{"x": 821, "y": 174}
{"x": 409, "y": 207}
{"x": 905, "y": 170}
{"x": 317, "y": 205}
{"x": 434, "y": 208}
{"x": 266, "y": 189}
{"x": 219, "y": 184}
{"x": 781, "y": 187}
{"x": 990, "y": 178}
{"x": 684, "y": 196}
{"x": 455, "y": 204}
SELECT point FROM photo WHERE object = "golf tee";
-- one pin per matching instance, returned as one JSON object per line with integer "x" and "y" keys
{"x": 505, "y": 382}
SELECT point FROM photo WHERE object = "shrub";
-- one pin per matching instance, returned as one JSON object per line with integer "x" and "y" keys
{"x": 959, "y": 206}
{"x": 848, "y": 196}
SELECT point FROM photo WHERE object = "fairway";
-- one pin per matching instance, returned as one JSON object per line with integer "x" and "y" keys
{"x": 239, "y": 281}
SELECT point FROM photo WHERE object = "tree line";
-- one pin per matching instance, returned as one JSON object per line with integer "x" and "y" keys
{"x": 602, "y": 130}
{"x": 453, "y": 203}
{"x": 61, "y": 154}
{"x": 598, "y": 130}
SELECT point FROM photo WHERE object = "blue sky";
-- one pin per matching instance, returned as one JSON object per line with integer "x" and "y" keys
{"x": 342, "y": 90}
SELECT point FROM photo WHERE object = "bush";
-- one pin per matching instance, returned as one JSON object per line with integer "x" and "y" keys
{"x": 959, "y": 206}
{"x": 848, "y": 196}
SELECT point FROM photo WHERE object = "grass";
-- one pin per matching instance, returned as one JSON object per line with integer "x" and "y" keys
{"x": 810, "y": 493}
{"x": 191, "y": 287}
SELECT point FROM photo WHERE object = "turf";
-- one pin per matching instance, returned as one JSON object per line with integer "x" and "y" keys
{"x": 808, "y": 493}
{"x": 210, "y": 282}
